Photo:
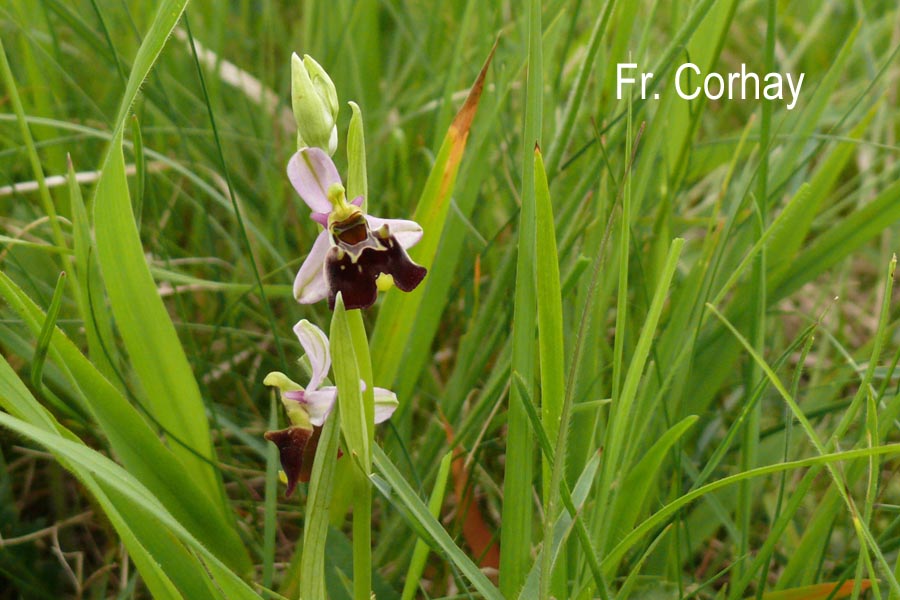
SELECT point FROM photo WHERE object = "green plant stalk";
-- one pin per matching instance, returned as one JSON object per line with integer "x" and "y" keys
{"x": 350, "y": 357}
{"x": 757, "y": 334}
{"x": 515, "y": 535}
{"x": 616, "y": 413}
{"x": 271, "y": 497}
{"x": 362, "y": 506}
{"x": 622, "y": 290}
{"x": 358, "y": 185}
{"x": 315, "y": 530}
{"x": 871, "y": 435}
{"x": 552, "y": 354}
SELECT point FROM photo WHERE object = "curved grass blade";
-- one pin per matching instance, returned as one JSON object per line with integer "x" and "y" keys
{"x": 134, "y": 442}
{"x": 629, "y": 498}
{"x": 420, "y": 552}
{"x": 120, "y": 481}
{"x": 562, "y": 527}
{"x": 162, "y": 578}
{"x": 661, "y": 516}
{"x": 171, "y": 393}
{"x": 399, "y": 493}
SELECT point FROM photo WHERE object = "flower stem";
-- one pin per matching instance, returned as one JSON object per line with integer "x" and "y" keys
{"x": 362, "y": 507}
{"x": 315, "y": 531}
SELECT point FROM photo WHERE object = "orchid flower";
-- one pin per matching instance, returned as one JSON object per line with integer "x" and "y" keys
{"x": 356, "y": 254}
{"x": 308, "y": 408}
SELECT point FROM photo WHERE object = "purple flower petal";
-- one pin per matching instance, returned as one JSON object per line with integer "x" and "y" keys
{"x": 295, "y": 395}
{"x": 315, "y": 344}
{"x": 319, "y": 404}
{"x": 310, "y": 285}
{"x": 312, "y": 173}
{"x": 407, "y": 233}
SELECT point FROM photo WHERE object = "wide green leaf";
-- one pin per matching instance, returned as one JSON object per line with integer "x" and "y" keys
{"x": 132, "y": 439}
{"x": 167, "y": 385}
{"x": 155, "y": 516}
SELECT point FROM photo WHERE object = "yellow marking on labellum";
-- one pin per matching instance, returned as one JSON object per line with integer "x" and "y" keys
{"x": 384, "y": 282}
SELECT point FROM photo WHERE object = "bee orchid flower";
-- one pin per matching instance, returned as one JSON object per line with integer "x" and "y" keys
{"x": 308, "y": 408}
{"x": 357, "y": 254}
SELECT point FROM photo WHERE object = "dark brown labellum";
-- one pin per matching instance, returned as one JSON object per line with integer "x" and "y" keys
{"x": 352, "y": 269}
{"x": 296, "y": 448}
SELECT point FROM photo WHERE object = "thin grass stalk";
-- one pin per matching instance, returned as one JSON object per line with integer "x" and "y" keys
{"x": 515, "y": 536}
{"x": 34, "y": 160}
{"x": 759, "y": 303}
{"x": 555, "y": 402}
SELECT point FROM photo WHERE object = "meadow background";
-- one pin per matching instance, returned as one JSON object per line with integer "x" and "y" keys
{"x": 713, "y": 290}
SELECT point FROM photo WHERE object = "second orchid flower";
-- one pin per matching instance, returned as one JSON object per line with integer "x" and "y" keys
{"x": 308, "y": 408}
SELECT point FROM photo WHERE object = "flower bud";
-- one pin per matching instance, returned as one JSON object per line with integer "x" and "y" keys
{"x": 315, "y": 104}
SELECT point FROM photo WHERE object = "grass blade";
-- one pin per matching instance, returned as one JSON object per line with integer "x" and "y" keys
{"x": 357, "y": 423}
{"x": 170, "y": 390}
{"x": 121, "y": 482}
{"x": 420, "y": 552}
{"x": 515, "y": 535}
{"x": 43, "y": 343}
{"x": 551, "y": 354}
{"x": 394, "y": 325}
{"x": 315, "y": 530}
{"x": 398, "y": 491}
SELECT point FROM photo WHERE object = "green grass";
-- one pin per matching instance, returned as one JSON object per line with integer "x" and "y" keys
{"x": 662, "y": 333}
